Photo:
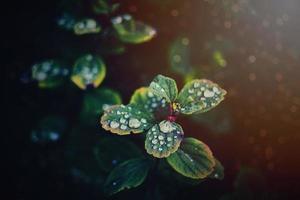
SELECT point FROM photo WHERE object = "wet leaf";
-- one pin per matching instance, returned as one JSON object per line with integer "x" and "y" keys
{"x": 112, "y": 151}
{"x": 49, "y": 73}
{"x": 164, "y": 87}
{"x": 146, "y": 100}
{"x": 124, "y": 120}
{"x": 49, "y": 129}
{"x": 128, "y": 174}
{"x": 131, "y": 31}
{"x": 88, "y": 70}
{"x": 95, "y": 102}
{"x": 194, "y": 159}
{"x": 163, "y": 139}
{"x": 86, "y": 26}
{"x": 200, "y": 96}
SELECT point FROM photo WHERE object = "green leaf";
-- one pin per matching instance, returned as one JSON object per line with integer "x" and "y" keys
{"x": 86, "y": 26}
{"x": 163, "y": 139}
{"x": 131, "y": 31}
{"x": 95, "y": 102}
{"x": 128, "y": 174}
{"x": 200, "y": 96}
{"x": 49, "y": 73}
{"x": 218, "y": 172}
{"x": 124, "y": 120}
{"x": 112, "y": 151}
{"x": 164, "y": 87}
{"x": 146, "y": 100}
{"x": 194, "y": 159}
{"x": 88, "y": 70}
{"x": 179, "y": 56}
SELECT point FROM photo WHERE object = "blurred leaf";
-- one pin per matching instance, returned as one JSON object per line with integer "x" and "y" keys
{"x": 219, "y": 59}
{"x": 194, "y": 159}
{"x": 66, "y": 21}
{"x": 79, "y": 156}
{"x": 124, "y": 120}
{"x": 49, "y": 73}
{"x": 88, "y": 70}
{"x": 164, "y": 87}
{"x": 146, "y": 100}
{"x": 86, "y": 26}
{"x": 163, "y": 139}
{"x": 131, "y": 31}
{"x": 200, "y": 96}
{"x": 111, "y": 151}
{"x": 218, "y": 172}
{"x": 179, "y": 56}
{"x": 217, "y": 120}
{"x": 104, "y": 7}
{"x": 95, "y": 102}
{"x": 49, "y": 129}
{"x": 128, "y": 174}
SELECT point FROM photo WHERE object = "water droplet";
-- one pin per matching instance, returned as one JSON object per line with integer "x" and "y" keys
{"x": 166, "y": 127}
{"x": 123, "y": 127}
{"x": 114, "y": 183}
{"x": 208, "y": 93}
{"x": 134, "y": 123}
{"x": 169, "y": 139}
{"x": 123, "y": 121}
{"x": 196, "y": 84}
{"x": 114, "y": 124}
{"x": 160, "y": 137}
{"x": 160, "y": 149}
{"x": 143, "y": 120}
{"x": 154, "y": 141}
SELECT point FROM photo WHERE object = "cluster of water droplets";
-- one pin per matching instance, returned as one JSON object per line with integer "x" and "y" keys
{"x": 48, "y": 69}
{"x": 207, "y": 93}
{"x": 125, "y": 120}
{"x": 86, "y": 26}
{"x": 154, "y": 102}
{"x": 163, "y": 139}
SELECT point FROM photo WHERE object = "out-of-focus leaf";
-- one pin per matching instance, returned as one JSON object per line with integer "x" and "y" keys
{"x": 86, "y": 26}
{"x": 49, "y": 129}
{"x": 131, "y": 31}
{"x": 104, "y": 7}
{"x": 66, "y": 21}
{"x": 200, "y": 96}
{"x": 95, "y": 102}
{"x": 88, "y": 70}
{"x": 179, "y": 56}
{"x": 112, "y": 151}
{"x": 124, "y": 120}
{"x": 164, "y": 87}
{"x": 128, "y": 174}
{"x": 146, "y": 100}
{"x": 219, "y": 59}
{"x": 49, "y": 73}
{"x": 163, "y": 139}
{"x": 218, "y": 172}
{"x": 194, "y": 159}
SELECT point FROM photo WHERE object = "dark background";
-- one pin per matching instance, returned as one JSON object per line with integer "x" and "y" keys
{"x": 261, "y": 77}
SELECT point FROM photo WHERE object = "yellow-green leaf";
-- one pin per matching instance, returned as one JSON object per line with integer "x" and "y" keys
{"x": 163, "y": 139}
{"x": 88, "y": 70}
{"x": 200, "y": 95}
{"x": 124, "y": 120}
